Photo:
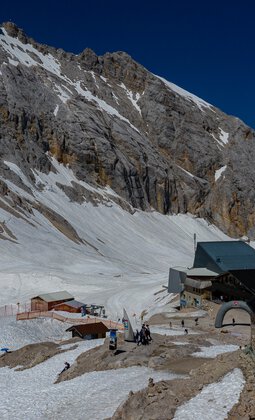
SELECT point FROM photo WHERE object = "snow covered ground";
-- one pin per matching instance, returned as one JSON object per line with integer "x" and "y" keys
{"x": 165, "y": 330}
{"x": 15, "y": 334}
{"x": 215, "y": 400}
{"x": 213, "y": 351}
{"x": 31, "y": 393}
{"x": 122, "y": 260}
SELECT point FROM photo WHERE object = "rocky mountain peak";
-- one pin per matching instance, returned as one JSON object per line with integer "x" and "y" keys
{"x": 115, "y": 124}
{"x": 13, "y": 30}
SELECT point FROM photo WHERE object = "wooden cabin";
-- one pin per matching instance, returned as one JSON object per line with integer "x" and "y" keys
{"x": 89, "y": 331}
{"x": 71, "y": 306}
{"x": 48, "y": 301}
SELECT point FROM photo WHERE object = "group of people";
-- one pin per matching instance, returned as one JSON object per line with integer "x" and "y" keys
{"x": 144, "y": 336}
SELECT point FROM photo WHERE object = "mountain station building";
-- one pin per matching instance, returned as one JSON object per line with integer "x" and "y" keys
{"x": 222, "y": 271}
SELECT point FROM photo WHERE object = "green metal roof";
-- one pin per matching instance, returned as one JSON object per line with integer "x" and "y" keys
{"x": 227, "y": 255}
{"x": 54, "y": 296}
{"x": 236, "y": 257}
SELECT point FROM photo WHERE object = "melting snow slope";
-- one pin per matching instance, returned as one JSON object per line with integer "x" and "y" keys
{"x": 123, "y": 260}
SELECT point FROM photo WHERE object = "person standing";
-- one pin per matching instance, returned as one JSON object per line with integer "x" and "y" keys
{"x": 148, "y": 332}
{"x": 137, "y": 338}
{"x": 142, "y": 335}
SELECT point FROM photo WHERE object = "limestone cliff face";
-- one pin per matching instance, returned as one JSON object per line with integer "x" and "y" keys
{"x": 114, "y": 123}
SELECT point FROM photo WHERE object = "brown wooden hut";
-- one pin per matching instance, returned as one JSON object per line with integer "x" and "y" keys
{"x": 70, "y": 306}
{"x": 48, "y": 301}
{"x": 89, "y": 331}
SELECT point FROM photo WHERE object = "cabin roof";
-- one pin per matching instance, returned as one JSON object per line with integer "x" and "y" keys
{"x": 55, "y": 296}
{"x": 72, "y": 303}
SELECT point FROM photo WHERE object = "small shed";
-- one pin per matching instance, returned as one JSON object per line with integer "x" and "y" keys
{"x": 89, "y": 331}
{"x": 48, "y": 301}
{"x": 70, "y": 306}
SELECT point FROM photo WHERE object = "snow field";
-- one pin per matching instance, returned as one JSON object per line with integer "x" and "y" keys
{"x": 16, "y": 334}
{"x": 124, "y": 258}
{"x": 215, "y": 400}
{"x": 31, "y": 393}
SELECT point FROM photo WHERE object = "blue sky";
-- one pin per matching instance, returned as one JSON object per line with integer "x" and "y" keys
{"x": 206, "y": 48}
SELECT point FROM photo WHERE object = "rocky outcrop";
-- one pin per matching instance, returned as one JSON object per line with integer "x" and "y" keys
{"x": 160, "y": 400}
{"x": 114, "y": 123}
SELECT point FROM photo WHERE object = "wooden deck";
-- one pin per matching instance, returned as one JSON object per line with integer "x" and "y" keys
{"x": 74, "y": 321}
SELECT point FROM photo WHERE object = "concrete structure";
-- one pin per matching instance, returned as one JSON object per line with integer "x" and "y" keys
{"x": 195, "y": 291}
{"x": 177, "y": 276}
{"x": 89, "y": 331}
{"x": 193, "y": 284}
{"x": 47, "y": 301}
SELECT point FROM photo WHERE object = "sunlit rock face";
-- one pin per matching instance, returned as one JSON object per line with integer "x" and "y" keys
{"x": 116, "y": 124}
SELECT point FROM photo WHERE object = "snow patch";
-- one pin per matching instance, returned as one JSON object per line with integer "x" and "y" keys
{"x": 215, "y": 400}
{"x": 14, "y": 168}
{"x": 214, "y": 351}
{"x": 223, "y": 140}
{"x": 23, "y": 53}
{"x": 94, "y": 77}
{"x": 223, "y": 136}
{"x": 16, "y": 334}
{"x": 101, "y": 104}
{"x": 200, "y": 103}
{"x": 184, "y": 170}
{"x": 219, "y": 172}
{"x": 133, "y": 97}
{"x": 13, "y": 62}
{"x": 115, "y": 98}
{"x": 162, "y": 330}
{"x": 56, "y": 110}
{"x": 62, "y": 94}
